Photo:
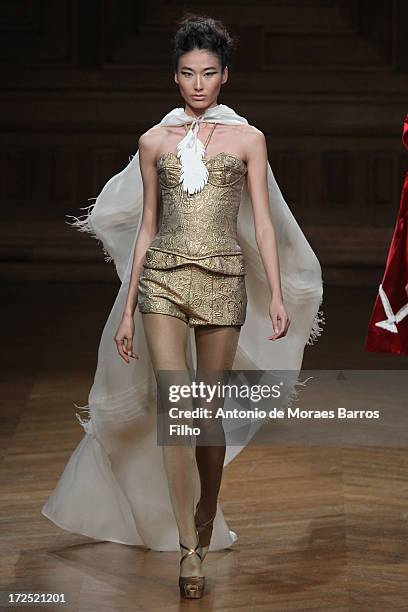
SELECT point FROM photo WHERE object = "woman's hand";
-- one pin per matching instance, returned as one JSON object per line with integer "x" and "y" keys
{"x": 124, "y": 334}
{"x": 279, "y": 318}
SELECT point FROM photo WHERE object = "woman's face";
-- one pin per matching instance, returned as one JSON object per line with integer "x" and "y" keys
{"x": 199, "y": 78}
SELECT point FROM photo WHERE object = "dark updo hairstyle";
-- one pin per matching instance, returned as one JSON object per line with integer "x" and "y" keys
{"x": 202, "y": 32}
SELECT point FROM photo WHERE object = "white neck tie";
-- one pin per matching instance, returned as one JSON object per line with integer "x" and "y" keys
{"x": 190, "y": 151}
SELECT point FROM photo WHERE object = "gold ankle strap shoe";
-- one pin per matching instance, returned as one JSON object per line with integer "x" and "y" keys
{"x": 191, "y": 587}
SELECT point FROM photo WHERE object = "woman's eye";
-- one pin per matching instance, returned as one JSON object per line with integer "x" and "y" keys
{"x": 188, "y": 74}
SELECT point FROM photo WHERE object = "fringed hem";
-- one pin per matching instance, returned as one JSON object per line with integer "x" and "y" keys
{"x": 83, "y": 223}
{"x": 87, "y": 422}
{"x": 293, "y": 394}
{"x": 317, "y": 328}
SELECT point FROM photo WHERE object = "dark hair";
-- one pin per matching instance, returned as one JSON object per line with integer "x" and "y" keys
{"x": 202, "y": 32}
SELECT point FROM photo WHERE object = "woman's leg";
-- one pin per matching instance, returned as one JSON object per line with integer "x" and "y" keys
{"x": 216, "y": 347}
{"x": 166, "y": 337}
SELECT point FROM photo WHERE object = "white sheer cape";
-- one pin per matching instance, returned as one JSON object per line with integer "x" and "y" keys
{"x": 114, "y": 486}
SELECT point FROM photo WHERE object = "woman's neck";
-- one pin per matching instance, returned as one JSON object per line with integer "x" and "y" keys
{"x": 189, "y": 111}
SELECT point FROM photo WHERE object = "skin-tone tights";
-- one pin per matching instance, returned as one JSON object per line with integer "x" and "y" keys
{"x": 216, "y": 345}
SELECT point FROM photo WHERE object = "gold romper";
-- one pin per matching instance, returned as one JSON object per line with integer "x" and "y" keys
{"x": 194, "y": 268}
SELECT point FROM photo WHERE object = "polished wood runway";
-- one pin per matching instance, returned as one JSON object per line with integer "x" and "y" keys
{"x": 320, "y": 528}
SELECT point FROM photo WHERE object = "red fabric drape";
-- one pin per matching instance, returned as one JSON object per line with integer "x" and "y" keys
{"x": 391, "y": 305}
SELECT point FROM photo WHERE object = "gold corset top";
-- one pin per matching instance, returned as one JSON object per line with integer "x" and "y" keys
{"x": 201, "y": 227}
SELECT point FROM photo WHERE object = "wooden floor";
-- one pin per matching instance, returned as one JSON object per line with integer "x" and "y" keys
{"x": 320, "y": 528}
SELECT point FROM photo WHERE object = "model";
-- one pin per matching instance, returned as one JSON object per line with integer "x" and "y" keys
{"x": 216, "y": 274}
{"x": 388, "y": 326}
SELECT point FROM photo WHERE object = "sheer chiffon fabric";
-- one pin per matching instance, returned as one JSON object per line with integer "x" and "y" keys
{"x": 114, "y": 485}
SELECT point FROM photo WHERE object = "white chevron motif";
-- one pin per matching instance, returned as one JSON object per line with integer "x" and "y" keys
{"x": 390, "y": 322}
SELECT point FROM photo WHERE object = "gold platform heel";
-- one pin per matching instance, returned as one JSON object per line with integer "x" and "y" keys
{"x": 204, "y": 530}
{"x": 191, "y": 587}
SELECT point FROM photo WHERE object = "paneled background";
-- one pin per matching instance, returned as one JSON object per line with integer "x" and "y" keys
{"x": 325, "y": 80}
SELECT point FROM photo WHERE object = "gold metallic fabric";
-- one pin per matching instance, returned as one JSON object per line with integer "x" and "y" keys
{"x": 194, "y": 268}
{"x": 226, "y": 264}
{"x": 203, "y": 225}
{"x": 196, "y": 295}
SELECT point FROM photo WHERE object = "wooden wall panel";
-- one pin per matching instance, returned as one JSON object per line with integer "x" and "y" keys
{"x": 325, "y": 80}
{"x": 36, "y": 32}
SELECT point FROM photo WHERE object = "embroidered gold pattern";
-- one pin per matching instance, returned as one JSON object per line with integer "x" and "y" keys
{"x": 227, "y": 264}
{"x": 201, "y": 227}
{"x": 193, "y": 294}
{"x": 194, "y": 268}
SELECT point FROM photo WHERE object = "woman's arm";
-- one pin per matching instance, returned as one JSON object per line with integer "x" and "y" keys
{"x": 257, "y": 178}
{"x": 148, "y": 143}
{"x": 150, "y": 214}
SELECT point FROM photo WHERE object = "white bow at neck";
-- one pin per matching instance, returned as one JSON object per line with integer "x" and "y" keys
{"x": 190, "y": 150}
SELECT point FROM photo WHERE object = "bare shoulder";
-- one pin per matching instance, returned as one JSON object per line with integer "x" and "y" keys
{"x": 250, "y": 130}
{"x": 255, "y": 142}
{"x": 253, "y": 134}
{"x": 151, "y": 140}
